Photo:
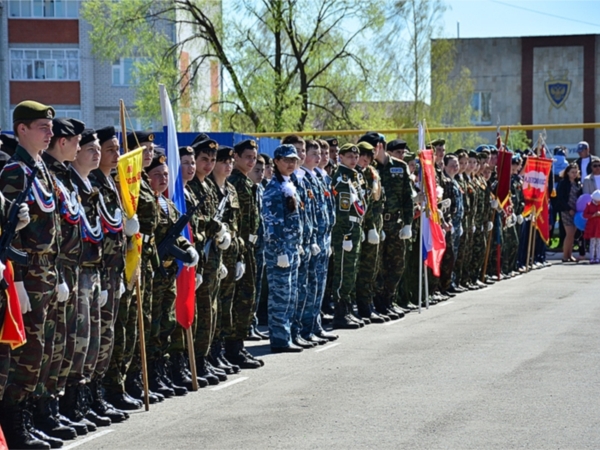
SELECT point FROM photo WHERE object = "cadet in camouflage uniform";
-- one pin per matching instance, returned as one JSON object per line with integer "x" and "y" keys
{"x": 465, "y": 226}
{"x": 397, "y": 221}
{"x": 36, "y": 284}
{"x": 510, "y": 249}
{"x": 346, "y": 236}
{"x": 245, "y": 154}
{"x": 114, "y": 248}
{"x": 217, "y": 240}
{"x": 164, "y": 288}
{"x": 283, "y": 228}
{"x": 372, "y": 226}
{"x": 481, "y": 223}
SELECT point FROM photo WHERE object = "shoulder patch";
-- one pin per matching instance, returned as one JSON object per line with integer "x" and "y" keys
{"x": 345, "y": 201}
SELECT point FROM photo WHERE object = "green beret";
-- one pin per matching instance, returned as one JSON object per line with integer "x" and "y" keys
{"x": 159, "y": 159}
{"x": 438, "y": 142}
{"x": 31, "y": 110}
{"x": 409, "y": 156}
{"x": 365, "y": 147}
{"x": 349, "y": 147}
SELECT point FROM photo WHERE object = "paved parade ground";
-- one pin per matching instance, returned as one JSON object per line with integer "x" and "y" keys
{"x": 512, "y": 366}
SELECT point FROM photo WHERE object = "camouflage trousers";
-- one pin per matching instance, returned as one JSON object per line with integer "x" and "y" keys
{"x": 462, "y": 254}
{"x": 301, "y": 293}
{"x": 4, "y": 349}
{"x": 447, "y": 264}
{"x": 225, "y": 321}
{"x": 368, "y": 265}
{"x": 283, "y": 284}
{"x": 475, "y": 264}
{"x": 260, "y": 277}
{"x": 207, "y": 304}
{"x": 108, "y": 314}
{"x": 87, "y": 345}
{"x": 317, "y": 276}
{"x": 65, "y": 336}
{"x": 408, "y": 289}
{"x": 125, "y": 341}
{"x": 510, "y": 249}
{"x": 345, "y": 265}
{"x": 147, "y": 278}
{"x": 393, "y": 256}
{"x": 245, "y": 299}
{"x": 30, "y": 363}
{"x": 164, "y": 294}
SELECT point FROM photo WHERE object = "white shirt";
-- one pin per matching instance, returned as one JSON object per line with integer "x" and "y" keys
{"x": 597, "y": 180}
{"x": 584, "y": 164}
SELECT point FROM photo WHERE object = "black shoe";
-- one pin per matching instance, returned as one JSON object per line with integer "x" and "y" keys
{"x": 300, "y": 342}
{"x": 53, "y": 442}
{"x": 250, "y": 356}
{"x": 473, "y": 287}
{"x": 262, "y": 334}
{"x": 372, "y": 317}
{"x": 392, "y": 314}
{"x": 396, "y": 309}
{"x": 326, "y": 319}
{"x": 203, "y": 372}
{"x": 80, "y": 428}
{"x": 236, "y": 354}
{"x": 326, "y": 335}
{"x": 104, "y": 408}
{"x": 448, "y": 294}
{"x": 290, "y": 349}
{"x": 124, "y": 402}
{"x": 252, "y": 335}
{"x": 454, "y": 290}
{"x": 47, "y": 422}
{"x": 316, "y": 340}
{"x": 222, "y": 376}
{"x": 481, "y": 284}
{"x": 233, "y": 367}
{"x": 14, "y": 421}
{"x": 345, "y": 323}
{"x": 155, "y": 381}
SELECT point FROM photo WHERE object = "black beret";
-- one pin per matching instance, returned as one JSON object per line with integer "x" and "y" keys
{"x": 461, "y": 151}
{"x": 158, "y": 159}
{"x": 244, "y": 145}
{"x": 88, "y": 135}
{"x": 199, "y": 138}
{"x": 333, "y": 142}
{"x": 31, "y": 110}
{"x": 438, "y": 142}
{"x": 9, "y": 143}
{"x": 106, "y": 134}
{"x": 224, "y": 153}
{"x": 472, "y": 154}
{"x": 4, "y": 157}
{"x": 267, "y": 158}
{"x": 396, "y": 144}
{"x": 186, "y": 151}
{"x": 206, "y": 145}
{"x": 67, "y": 127}
{"x": 138, "y": 136}
{"x": 372, "y": 138}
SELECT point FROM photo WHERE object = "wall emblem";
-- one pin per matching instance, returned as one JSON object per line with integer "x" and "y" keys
{"x": 557, "y": 90}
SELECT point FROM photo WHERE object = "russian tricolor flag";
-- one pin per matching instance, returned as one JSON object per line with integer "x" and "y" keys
{"x": 186, "y": 278}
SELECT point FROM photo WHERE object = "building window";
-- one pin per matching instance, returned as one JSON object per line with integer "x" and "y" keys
{"x": 46, "y": 9}
{"x": 481, "y": 104}
{"x": 48, "y": 64}
{"x": 123, "y": 71}
{"x": 134, "y": 123}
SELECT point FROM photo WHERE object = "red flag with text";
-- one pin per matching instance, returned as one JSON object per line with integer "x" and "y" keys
{"x": 535, "y": 190}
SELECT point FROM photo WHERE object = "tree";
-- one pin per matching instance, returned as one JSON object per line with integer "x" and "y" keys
{"x": 285, "y": 63}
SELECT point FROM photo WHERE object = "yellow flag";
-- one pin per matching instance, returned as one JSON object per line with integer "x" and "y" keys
{"x": 130, "y": 176}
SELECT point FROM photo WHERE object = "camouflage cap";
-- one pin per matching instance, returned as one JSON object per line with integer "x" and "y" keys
{"x": 285, "y": 151}
{"x": 32, "y": 110}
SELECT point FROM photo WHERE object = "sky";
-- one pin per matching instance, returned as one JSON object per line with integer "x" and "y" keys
{"x": 500, "y": 18}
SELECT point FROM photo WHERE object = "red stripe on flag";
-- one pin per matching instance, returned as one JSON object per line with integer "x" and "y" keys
{"x": 13, "y": 330}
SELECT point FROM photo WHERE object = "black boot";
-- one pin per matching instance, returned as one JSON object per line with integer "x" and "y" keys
{"x": 249, "y": 355}
{"x": 104, "y": 408}
{"x": 252, "y": 335}
{"x": 203, "y": 371}
{"x": 202, "y": 382}
{"x": 123, "y": 402}
{"x": 134, "y": 388}
{"x": 80, "y": 428}
{"x": 155, "y": 381}
{"x": 49, "y": 423}
{"x": 33, "y": 431}
{"x": 70, "y": 406}
{"x": 86, "y": 399}
{"x": 167, "y": 377}
{"x": 179, "y": 373}
{"x": 216, "y": 349}
{"x": 341, "y": 319}
{"x": 235, "y": 355}
{"x": 13, "y": 421}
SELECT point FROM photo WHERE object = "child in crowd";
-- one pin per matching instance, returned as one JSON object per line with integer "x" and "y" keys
{"x": 592, "y": 227}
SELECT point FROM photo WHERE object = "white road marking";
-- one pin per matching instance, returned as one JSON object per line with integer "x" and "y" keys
{"x": 327, "y": 347}
{"x": 392, "y": 322}
{"x": 87, "y": 439}
{"x": 229, "y": 383}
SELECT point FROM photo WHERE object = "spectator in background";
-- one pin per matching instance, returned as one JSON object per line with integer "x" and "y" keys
{"x": 584, "y": 160}
{"x": 568, "y": 191}
{"x": 592, "y": 181}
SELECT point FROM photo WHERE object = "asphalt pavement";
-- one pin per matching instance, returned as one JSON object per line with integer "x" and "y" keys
{"x": 511, "y": 366}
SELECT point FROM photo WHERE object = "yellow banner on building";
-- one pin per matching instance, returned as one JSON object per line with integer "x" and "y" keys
{"x": 130, "y": 176}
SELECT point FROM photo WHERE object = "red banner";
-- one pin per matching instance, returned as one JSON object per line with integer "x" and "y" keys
{"x": 503, "y": 169}
{"x": 535, "y": 183}
{"x": 429, "y": 184}
{"x": 12, "y": 331}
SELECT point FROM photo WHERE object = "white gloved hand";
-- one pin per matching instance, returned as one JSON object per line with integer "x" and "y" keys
{"x": 347, "y": 245}
{"x": 474, "y": 228}
{"x": 63, "y": 292}
{"x": 23, "y": 216}
{"x": 460, "y": 231}
{"x": 520, "y": 219}
{"x": 194, "y": 255}
{"x": 222, "y": 272}
{"x": 283, "y": 261}
{"x": 362, "y": 235}
{"x": 329, "y": 250}
{"x": 301, "y": 251}
{"x": 199, "y": 280}
{"x": 23, "y": 297}
{"x": 103, "y": 298}
{"x": 315, "y": 249}
{"x": 445, "y": 204}
{"x": 406, "y": 232}
{"x": 2, "y": 267}
{"x": 490, "y": 225}
{"x": 513, "y": 219}
{"x": 373, "y": 237}
{"x": 240, "y": 269}
{"x": 382, "y": 235}
{"x": 132, "y": 226}
{"x": 224, "y": 242}
{"x": 494, "y": 203}
{"x": 121, "y": 289}
{"x": 221, "y": 232}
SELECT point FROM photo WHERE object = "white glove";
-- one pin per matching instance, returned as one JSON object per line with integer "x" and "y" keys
{"x": 382, "y": 235}
{"x": 513, "y": 219}
{"x": 347, "y": 245}
{"x": 199, "y": 280}
{"x": 194, "y": 255}
{"x": 494, "y": 203}
{"x": 132, "y": 226}
{"x": 23, "y": 216}
{"x": 222, "y": 272}
{"x": 362, "y": 235}
{"x": 474, "y": 228}
{"x": 63, "y": 292}
{"x": 283, "y": 261}
{"x": 221, "y": 232}
{"x": 224, "y": 242}
{"x": 520, "y": 219}
{"x": 329, "y": 251}
{"x": 373, "y": 237}
{"x": 2, "y": 267}
{"x": 445, "y": 204}
{"x": 490, "y": 225}
{"x": 460, "y": 231}
{"x": 406, "y": 232}
{"x": 23, "y": 297}
{"x": 121, "y": 289}
{"x": 315, "y": 249}
{"x": 301, "y": 251}
{"x": 240, "y": 269}
{"x": 103, "y": 298}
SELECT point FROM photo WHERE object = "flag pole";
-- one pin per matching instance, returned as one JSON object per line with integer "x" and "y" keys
{"x": 140, "y": 314}
{"x": 421, "y": 263}
{"x": 192, "y": 357}
{"x": 530, "y": 241}
{"x": 488, "y": 248}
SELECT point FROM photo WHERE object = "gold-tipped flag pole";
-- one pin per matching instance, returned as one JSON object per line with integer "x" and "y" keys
{"x": 140, "y": 313}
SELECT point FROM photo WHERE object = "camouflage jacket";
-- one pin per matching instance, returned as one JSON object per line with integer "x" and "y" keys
{"x": 91, "y": 226}
{"x": 349, "y": 202}
{"x": 231, "y": 212}
{"x": 374, "y": 197}
{"x": 248, "y": 202}
{"x": 517, "y": 197}
{"x": 167, "y": 216}
{"x": 321, "y": 214}
{"x": 198, "y": 237}
{"x": 147, "y": 213}
{"x": 206, "y": 194}
{"x": 307, "y": 208}
{"x": 395, "y": 180}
